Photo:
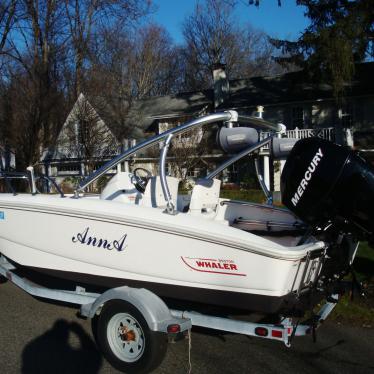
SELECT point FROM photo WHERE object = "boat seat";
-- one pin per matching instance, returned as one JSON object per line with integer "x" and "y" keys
{"x": 205, "y": 196}
{"x": 153, "y": 195}
{"x": 121, "y": 188}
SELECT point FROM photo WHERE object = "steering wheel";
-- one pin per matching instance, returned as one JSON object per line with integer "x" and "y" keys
{"x": 140, "y": 181}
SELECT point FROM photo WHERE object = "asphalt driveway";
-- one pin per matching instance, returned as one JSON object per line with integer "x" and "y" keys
{"x": 39, "y": 337}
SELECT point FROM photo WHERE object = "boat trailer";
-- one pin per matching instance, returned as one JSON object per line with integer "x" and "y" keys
{"x": 159, "y": 317}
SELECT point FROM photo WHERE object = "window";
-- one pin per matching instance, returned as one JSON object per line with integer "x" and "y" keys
{"x": 83, "y": 132}
{"x": 194, "y": 173}
{"x": 298, "y": 118}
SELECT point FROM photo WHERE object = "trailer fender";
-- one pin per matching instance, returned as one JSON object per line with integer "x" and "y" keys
{"x": 153, "y": 309}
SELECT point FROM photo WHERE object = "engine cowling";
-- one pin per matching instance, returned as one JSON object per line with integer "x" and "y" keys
{"x": 324, "y": 182}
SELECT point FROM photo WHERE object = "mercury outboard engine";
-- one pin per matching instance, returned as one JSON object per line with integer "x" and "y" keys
{"x": 327, "y": 184}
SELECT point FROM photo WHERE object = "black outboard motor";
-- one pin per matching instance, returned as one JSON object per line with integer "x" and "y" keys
{"x": 324, "y": 183}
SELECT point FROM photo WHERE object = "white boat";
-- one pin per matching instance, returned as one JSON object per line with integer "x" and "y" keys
{"x": 181, "y": 256}
{"x": 200, "y": 249}
{"x": 205, "y": 249}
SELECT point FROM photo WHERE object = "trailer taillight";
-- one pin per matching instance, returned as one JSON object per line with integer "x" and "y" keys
{"x": 277, "y": 333}
{"x": 174, "y": 329}
{"x": 261, "y": 331}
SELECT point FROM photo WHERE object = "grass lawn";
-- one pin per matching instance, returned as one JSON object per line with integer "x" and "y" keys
{"x": 256, "y": 196}
{"x": 359, "y": 311}
{"x": 364, "y": 263}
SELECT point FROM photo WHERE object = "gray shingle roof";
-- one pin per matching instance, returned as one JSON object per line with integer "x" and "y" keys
{"x": 294, "y": 87}
{"x": 145, "y": 112}
{"x": 247, "y": 93}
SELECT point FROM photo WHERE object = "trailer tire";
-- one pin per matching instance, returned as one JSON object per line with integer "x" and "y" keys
{"x": 126, "y": 341}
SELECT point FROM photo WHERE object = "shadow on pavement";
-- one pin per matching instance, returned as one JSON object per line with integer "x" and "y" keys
{"x": 52, "y": 351}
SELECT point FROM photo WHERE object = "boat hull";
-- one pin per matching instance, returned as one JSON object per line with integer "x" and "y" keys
{"x": 82, "y": 243}
{"x": 188, "y": 296}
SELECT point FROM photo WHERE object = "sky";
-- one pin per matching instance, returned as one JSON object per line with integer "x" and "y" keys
{"x": 285, "y": 22}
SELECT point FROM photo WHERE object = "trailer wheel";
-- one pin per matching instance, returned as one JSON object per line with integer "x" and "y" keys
{"x": 126, "y": 341}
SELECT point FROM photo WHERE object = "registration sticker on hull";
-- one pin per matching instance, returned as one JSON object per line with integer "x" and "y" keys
{"x": 2, "y": 215}
{"x": 215, "y": 266}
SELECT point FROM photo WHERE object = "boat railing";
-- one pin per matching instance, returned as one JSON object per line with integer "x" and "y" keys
{"x": 170, "y": 208}
{"x": 226, "y": 117}
{"x": 324, "y": 133}
{"x": 31, "y": 179}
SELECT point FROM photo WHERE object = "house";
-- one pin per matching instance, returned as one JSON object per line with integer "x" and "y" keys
{"x": 287, "y": 98}
{"x": 306, "y": 108}
{"x": 84, "y": 143}
{"x": 158, "y": 114}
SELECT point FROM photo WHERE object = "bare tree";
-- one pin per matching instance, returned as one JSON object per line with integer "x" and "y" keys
{"x": 56, "y": 49}
{"x": 45, "y": 45}
{"x": 33, "y": 78}
{"x": 259, "y": 59}
{"x": 213, "y": 36}
{"x": 7, "y": 17}
{"x": 152, "y": 62}
{"x": 129, "y": 65}
{"x": 87, "y": 17}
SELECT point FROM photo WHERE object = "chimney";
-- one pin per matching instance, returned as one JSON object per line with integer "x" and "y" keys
{"x": 220, "y": 84}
